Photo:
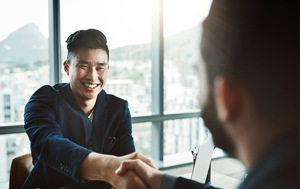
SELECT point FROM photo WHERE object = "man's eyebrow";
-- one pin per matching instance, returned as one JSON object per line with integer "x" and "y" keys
{"x": 84, "y": 62}
{"x": 101, "y": 64}
{"x": 87, "y": 62}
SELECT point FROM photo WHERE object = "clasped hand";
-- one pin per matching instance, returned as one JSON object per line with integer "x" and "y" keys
{"x": 139, "y": 174}
{"x": 132, "y": 172}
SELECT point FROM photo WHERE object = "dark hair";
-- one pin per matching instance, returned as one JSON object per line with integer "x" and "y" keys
{"x": 256, "y": 41}
{"x": 91, "y": 38}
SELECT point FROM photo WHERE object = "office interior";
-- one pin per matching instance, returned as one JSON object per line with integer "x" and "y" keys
{"x": 154, "y": 49}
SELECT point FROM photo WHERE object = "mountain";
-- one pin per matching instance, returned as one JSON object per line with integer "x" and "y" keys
{"x": 181, "y": 48}
{"x": 131, "y": 52}
{"x": 27, "y": 45}
{"x": 23, "y": 46}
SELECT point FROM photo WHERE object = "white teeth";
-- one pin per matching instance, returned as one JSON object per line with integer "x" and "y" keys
{"x": 89, "y": 85}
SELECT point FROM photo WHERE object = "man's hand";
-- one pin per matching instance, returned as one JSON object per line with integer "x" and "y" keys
{"x": 102, "y": 167}
{"x": 150, "y": 176}
{"x": 130, "y": 180}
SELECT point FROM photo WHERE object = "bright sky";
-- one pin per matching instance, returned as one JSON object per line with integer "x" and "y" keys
{"x": 17, "y": 13}
{"x": 123, "y": 22}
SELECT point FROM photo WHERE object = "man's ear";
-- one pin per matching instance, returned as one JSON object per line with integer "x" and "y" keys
{"x": 228, "y": 99}
{"x": 66, "y": 67}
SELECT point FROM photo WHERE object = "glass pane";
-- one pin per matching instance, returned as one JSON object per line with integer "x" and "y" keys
{"x": 127, "y": 26}
{"x": 182, "y": 33}
{"x": 142, "y": 138}
{"x": 11, "y": 146}
{"x": 180, "y": 137}
{"x": 24, "y": 65}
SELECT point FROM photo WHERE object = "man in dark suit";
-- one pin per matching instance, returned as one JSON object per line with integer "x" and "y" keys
{"x": 249, "y": 94}
{"x": 75, "y": 128}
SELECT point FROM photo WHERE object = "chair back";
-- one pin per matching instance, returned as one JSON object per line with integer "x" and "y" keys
{"x": 20, "y": 169}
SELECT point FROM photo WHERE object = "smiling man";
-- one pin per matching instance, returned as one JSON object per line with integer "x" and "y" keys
{"x": 76, "y": 129}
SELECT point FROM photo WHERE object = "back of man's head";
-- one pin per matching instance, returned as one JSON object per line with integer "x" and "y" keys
{"x": 256, "y": 42}
{"x": 91, "y": 39}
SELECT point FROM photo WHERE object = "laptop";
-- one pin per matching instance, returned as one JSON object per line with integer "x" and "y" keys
{"x": 204, "y": 154}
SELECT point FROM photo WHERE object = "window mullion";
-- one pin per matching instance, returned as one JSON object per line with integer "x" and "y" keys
{"x": 54, "y": 42}
{"x": 157, "y": 79}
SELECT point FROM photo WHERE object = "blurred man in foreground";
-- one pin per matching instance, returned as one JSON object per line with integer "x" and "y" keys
{"x": 249, "y": 93}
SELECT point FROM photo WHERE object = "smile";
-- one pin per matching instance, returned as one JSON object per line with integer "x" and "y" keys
{"x": 91, "y": 86}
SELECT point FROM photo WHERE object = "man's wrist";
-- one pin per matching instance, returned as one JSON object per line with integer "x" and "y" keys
{"x": 96, "y": 166}
{"x": 109, "y": 166}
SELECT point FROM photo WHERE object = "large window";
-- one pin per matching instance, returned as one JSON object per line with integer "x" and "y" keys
{"x": 154, "y": 45}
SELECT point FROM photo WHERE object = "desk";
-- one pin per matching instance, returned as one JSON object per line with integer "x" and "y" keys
{"x": 220, "y": 180}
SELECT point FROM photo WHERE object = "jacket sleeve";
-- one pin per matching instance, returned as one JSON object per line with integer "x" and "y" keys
{"x": 48, "y": 144}
{"x": 124, "y": 143}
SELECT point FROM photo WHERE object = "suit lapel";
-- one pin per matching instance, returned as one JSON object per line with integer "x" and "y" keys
{"x": 99, "y": 122}
{"x": 69, "y": 97}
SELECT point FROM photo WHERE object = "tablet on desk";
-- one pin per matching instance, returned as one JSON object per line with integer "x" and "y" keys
{"x": 203, "y": 159}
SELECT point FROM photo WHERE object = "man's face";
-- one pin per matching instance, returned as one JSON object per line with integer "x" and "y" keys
{"x": 209, "y": 113}
{"x": 87, "y": 73}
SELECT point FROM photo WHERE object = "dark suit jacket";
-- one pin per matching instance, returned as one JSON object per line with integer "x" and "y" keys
{"x": 277, "y": 169}
{"x": 60, "y": 131}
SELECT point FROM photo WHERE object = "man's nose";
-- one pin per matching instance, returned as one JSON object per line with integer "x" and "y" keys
{"x": 93, "y": 74}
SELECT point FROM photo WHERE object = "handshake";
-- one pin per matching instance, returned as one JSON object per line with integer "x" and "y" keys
{"x": 132, "y": 171}
{"x": 137, "y": 171}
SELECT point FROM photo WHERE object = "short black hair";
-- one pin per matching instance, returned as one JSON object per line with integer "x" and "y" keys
{"x": 91, "y": 39}
{"x": 256, "y": 41}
